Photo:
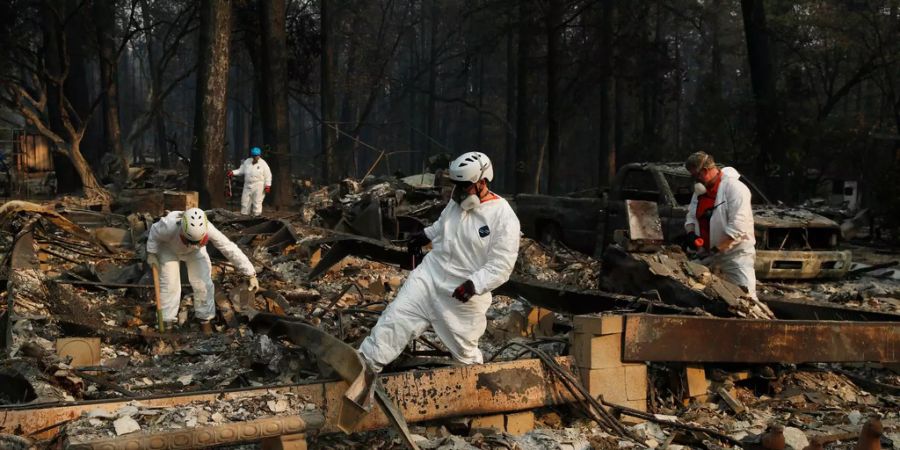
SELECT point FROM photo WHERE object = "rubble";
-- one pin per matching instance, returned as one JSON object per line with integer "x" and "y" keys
{"x": 73, "y": 273}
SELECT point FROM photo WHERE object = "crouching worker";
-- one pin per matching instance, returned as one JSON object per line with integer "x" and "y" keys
{"x": 182, "y": 236}
{"x": 475, "y": 246}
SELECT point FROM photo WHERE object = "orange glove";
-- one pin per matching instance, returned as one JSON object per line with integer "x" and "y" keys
{"x": 268, "y": 189}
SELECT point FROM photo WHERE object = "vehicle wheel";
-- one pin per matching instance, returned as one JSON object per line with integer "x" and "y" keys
{"x": 550, "y": 233}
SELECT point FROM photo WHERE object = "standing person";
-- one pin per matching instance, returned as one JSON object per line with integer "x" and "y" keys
{"x": 721, "y": 213}
{"x": 476, "y": 244}
{"x": 182, "y": 236}
{"x": 257, "y": 182}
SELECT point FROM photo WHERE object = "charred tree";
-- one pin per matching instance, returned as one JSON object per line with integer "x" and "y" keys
{"x": 276, "y": 133}
{"x": 762, "y": 78}
{"x": 105, "y": 23}
{"x": 607, "y": 156}
{"x": 554, "y": 28}
{"x": 330, "y": 165}
{"x": 207, "y": 174}
{"x": 526, "y": 154}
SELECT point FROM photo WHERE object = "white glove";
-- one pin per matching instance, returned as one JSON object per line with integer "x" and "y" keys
{"x": 153, "y": 260}
{"x": 253, "y": 284}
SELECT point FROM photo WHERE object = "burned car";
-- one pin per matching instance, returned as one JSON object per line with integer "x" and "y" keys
{"x": 790, "y": 243}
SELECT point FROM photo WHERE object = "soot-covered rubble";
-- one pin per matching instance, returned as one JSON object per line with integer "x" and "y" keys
{"x": 74, "y": 273}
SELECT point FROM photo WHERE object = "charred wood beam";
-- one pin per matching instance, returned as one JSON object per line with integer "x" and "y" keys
{"x": 211, "y": 436}
{"x": 706, "y": 339}
{"x": 421, "y": 395}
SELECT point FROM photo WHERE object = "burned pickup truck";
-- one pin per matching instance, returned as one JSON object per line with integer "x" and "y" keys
{"x": 790, "y": 243}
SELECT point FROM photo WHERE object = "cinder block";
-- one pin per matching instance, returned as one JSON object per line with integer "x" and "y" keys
{"x": 597, "y": 352}
{"x": 180, "y": 200}
{"x": 520, "y": 423}
{"x": 285, "y": 442}
{"x": 640, "y": 405}
{"x": 695, "y": 380}
{"x": 599, "y": 325}
{"x": 608, "y": 382}
{"x": 496, "y": 421}
{"x": 636, "y": 381}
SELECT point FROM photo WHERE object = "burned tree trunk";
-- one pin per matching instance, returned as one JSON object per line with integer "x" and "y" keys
{"x": 607, "y": 157}
{"x": 330, "y": 163}
{"x": 526, "y": 154}
{"x": 207, "y": 175}
{"x": 104, "y": 21}
{"x": 762, "y": 77}
{"x": 554, "y": 158}
{"x": 275, "y": 109}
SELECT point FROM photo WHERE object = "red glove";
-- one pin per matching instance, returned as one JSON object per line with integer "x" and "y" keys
{"x": 465, "y": 291}
{"x": 230, "y": 174}
{"x": 268, "y": 189}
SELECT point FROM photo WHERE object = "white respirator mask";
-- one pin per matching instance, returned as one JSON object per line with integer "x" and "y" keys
{"x": 469, "y": 202}
{"x": 699, "y": 188}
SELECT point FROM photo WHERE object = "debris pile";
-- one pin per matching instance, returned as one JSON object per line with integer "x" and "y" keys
{"x": 82, "y": 326}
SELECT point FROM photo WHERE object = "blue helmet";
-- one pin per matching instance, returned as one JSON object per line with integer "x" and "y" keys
{"x": 255, "y": 151}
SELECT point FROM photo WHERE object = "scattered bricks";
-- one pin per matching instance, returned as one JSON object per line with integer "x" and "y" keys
{"x": 597, "y": 352}
{"x": 285, "y": 442}
{"x": 180, "y": 200}
{"x": 636, "y": 381}
{"x": 519, "y": 423}
{"x": 599, "y": 325}
{"x": 496, "y": 422}
{"x": 695, "y": 380}
{"x": 83, "y": 351}
{"x": 540, "y": 322}
{"x": 608, "y": 382}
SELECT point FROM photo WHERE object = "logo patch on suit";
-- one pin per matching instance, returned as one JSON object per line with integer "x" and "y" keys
{"x": 484, "y": 231}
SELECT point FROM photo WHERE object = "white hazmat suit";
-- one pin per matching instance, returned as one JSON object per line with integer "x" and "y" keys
{"x": 480, "y": 245}
{"x": 733, "y": 217}
{"x": 165, "y": 242}
{"x": 256, "y": 177}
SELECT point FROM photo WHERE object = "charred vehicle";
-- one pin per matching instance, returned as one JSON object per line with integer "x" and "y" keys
{"x": 790, "y": 243}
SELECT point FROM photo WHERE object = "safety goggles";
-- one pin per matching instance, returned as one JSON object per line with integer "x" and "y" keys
{"x": 201, "y": 243}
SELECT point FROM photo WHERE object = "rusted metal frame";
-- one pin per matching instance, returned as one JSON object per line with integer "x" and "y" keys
{"x": 704, "y": 339}
{"x": 209, "y": 436}
{"x": 798, "y": 309}
{"x": 579, "y": 301}
{"x": 421, "y": 395}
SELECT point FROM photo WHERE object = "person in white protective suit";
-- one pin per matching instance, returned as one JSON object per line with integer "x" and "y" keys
{"x": 182, "y": 236}
{"x": 721, "y": 214}
{"x": 475, "y": 245}
{"x": 257, "y": 182}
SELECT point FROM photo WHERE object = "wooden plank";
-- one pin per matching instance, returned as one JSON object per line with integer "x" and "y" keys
{"x": 420, "y": 395}
{"x": 705, "y": 339}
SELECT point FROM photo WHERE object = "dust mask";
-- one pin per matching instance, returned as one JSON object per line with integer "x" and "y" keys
{"x": 469, "y": 202}
{"x": 699, "y": 188}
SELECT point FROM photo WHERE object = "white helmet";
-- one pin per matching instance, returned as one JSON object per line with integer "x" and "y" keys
{"x": 472, "y": 167}
{"x": 194, "y": 227}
